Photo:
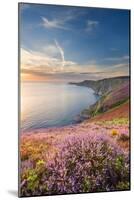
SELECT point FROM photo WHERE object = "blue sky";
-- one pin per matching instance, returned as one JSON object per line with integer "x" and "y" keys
{"x": 72, "y": 43}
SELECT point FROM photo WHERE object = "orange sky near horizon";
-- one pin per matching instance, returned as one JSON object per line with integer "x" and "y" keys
{"x": 31, "y": 77}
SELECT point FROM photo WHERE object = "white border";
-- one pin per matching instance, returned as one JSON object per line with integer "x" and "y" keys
{"x": 9, "y": 89}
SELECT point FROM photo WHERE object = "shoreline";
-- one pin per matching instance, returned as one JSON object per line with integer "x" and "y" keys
{"x": 116, "y": 113}
{"x": 91, "y": 111}
{"x": 79, "y": 118}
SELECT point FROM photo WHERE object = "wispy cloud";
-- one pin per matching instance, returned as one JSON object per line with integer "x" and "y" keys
{"x": 55, "y": 23}
{"x": 91, "y": 24}
{"x": 120, "y": 65}
{"x": 39, "y": 61}
{"x": 125, "y": 57}
{"x": 61, "y": 52}
{"x": 47, "y": 63}
{"x": 53, "y": 65}
{"x": 64, "y": 19}
{"x": 61, "y": 21}
{"x": 50, "y": 50}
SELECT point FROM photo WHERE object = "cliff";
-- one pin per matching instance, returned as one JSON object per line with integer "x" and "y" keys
{"x": 105, "y": 85}
{"x": 109, "y": 100}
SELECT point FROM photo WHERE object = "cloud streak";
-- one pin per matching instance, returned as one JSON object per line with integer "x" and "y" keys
{"x": 45, "y": 66}
{"x": 62, "y": 19}
{"x": 61, "y": 53}
{"x": 50, "y": 24}
{"x": 125, "y": 58}
{"x": 91, "y": 24}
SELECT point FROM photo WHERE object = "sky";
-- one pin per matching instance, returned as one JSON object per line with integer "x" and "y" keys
{"x": 63, "y": 44}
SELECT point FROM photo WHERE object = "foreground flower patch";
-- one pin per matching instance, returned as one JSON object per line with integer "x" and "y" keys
{"x": 81, "y": 163}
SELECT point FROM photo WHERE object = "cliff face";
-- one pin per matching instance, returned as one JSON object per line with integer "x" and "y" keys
{"x": 109, "y": 100}
{"x": 113, "y": 93}
{"x": 105, "y": 85}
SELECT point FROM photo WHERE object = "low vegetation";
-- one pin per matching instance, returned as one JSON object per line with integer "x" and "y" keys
{"x": 89, "y": 157}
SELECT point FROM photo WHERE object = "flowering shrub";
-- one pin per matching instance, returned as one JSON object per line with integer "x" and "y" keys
{"x": 83, "y": 163}
{"x": 123, "y": 137}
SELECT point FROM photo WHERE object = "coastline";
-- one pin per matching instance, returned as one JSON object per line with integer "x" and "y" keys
{"x": 93, "y": 124}
{"x": 88, "y": 112}
{"x": 46, "y": 152}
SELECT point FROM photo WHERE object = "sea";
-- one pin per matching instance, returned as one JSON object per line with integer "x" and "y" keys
{"x": 44, "y": 105}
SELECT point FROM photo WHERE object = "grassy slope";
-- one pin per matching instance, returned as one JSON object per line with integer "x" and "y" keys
{"x": 121, "y": 111}
{"x": 109, "y": 100}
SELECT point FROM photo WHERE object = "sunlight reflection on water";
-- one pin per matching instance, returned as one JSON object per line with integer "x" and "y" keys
{"x": 48, "y": 105}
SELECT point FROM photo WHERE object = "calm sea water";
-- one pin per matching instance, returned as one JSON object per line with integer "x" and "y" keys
{"x": 52, "y": 105}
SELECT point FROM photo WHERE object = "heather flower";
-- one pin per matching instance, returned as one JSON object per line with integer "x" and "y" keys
{"x": 83, "y": 162}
